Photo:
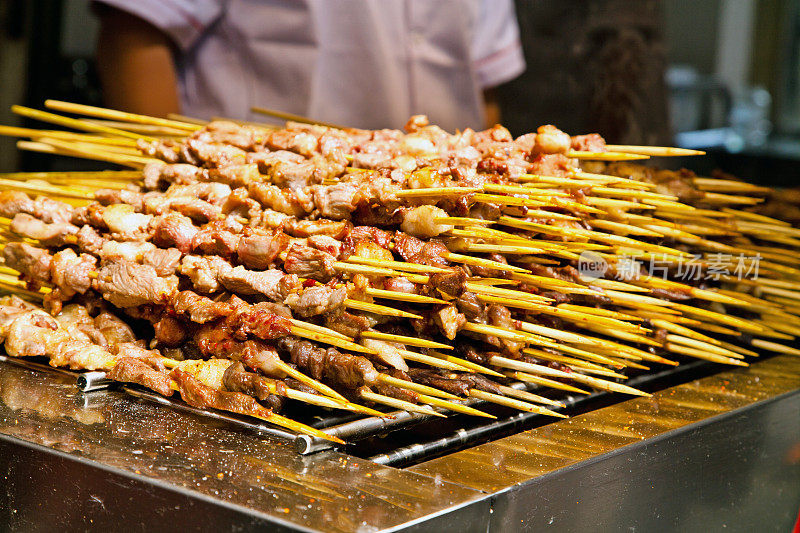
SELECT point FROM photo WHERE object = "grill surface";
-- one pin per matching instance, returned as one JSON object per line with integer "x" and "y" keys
{"x": 119, "y": 461}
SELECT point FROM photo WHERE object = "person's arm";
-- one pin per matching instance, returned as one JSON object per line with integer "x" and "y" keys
{"x": 491, "y": 107}
{"x": 136, "y": 66}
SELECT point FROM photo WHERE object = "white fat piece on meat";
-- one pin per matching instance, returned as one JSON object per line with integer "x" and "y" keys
{"x": 387, "y": 352}
{"x": 121, "y": 218}
{"x": 210, "y": 373}
{"x": 421, "y": 222}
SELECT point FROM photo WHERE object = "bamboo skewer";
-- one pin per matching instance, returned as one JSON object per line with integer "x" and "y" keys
{"x": 75, "y": 124}
{"x": 110, "y": 114}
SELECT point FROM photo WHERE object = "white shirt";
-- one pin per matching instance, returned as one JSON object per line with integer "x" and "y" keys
{"x": 363, "y": 63}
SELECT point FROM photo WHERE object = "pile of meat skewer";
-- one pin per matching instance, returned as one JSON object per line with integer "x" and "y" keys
{"x": 351, "y": 269}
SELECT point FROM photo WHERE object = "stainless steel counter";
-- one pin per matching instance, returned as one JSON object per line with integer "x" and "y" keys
{"x": 727, "y": 445}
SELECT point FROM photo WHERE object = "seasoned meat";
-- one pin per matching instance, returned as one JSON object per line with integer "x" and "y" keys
{"x": 592, "y": 142}
{"x": 326, "y": 244}
{"x": 204, "y": 271}
{"x": 201, "y": 396}
{"x": 32, "y": 262}
{"x": 88, "y": 240}
{"x": 127, "y": 284}
{"x": 336, "y": 201}
{"x": 198, "y": 308}
{"x": 164, "y": 260}
{"x": 431, "y": 253}
{"x": 238, "y": 379}
{"x": 451, "y": 383}
{"x": 259, "y": 250}
{"x": 114, "y": 329}
{"x": 92, "y": 214}
{"x": 158, "y": 175}
{"x": 48, "y": 234}
{"x": 471, "y": 307}
{"x": 71, "y": 272}
{"x": 213, "y": 341}
{"x": 215, "y": 155}
{"x": 266, "y": 160}
{"x": 269, "y": 283}
{"x": 347, "y": 323}
{"x": 170, "y": 332}
{"x": 174, "y": 229}
{"x": 45, "y": 209}
{"x": 36, "y": 334}
{"x": 290, "y": 202}
{"x": 132, "y": 370}
{"x": 214, "y": 239}
{"x": 371, "y": 234}
{"x": 347, "y": 371}
{"x": 236, "y": 175}
{"x": 307, "y": 262}
{"x": 400, "y": 284}
{"x": 446, "y": 285}
{"x": 257, "y": 320}
{"x": 319, "y": 300}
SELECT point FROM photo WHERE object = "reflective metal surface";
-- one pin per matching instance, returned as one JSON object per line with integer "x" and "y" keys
{"x": 718, "y": 453}
{"x": 152, "y": 448}
{"x": 720, "y": 450}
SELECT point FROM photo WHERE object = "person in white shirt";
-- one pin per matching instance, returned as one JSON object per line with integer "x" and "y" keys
{"x": 361, "y": 63}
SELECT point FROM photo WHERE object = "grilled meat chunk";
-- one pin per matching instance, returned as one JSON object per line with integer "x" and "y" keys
{"x": 142, "y": 372}
{"x": 319, "y": 300}
{"x": 238, "y": 379}
{"x": 127, "y": 284}
{"x": 308, "y": 262}
{"x": 32, "y": 262}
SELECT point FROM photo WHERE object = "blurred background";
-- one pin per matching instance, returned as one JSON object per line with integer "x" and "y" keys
{"x": 718, "y": 75}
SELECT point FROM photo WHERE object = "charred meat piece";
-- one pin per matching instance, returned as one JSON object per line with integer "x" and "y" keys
{"x": 198, "y": 308}
{"x": 201, "y": 396}
{"x": 346, "y": 371}
{"x": 141, "y": 372}
{"x": 214, "y": 341}
{"x": 446, "y": 285}
{"x": 238, "y": 379}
